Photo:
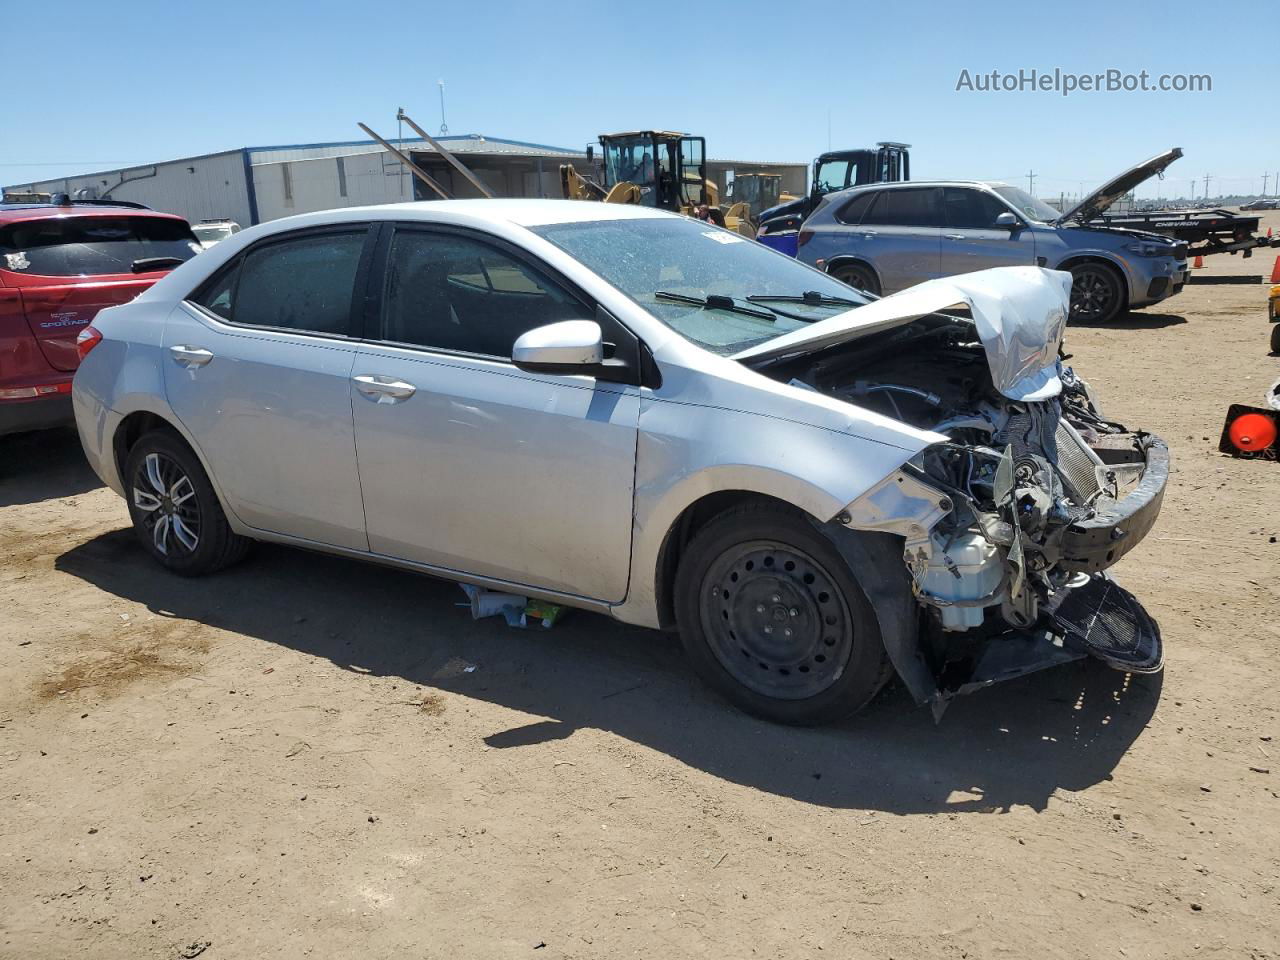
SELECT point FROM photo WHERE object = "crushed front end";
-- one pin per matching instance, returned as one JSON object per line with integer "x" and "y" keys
{"x": 1008, "y": 525}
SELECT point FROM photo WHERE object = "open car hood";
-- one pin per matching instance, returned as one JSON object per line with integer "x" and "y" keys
{"x": 1019, "y": 313}
{"x": 1096, "y": 204}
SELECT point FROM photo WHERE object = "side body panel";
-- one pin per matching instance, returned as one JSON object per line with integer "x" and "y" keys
{"x": 722, "y": 427}
{"x": 966, "y": 249}
{"x": 271, "y": 412}
{"x": 493, "y": 471}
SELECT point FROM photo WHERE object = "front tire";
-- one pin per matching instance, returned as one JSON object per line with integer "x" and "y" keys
{"x": 772, "y": 618}
{"x": 858, "y": 276}
{"x": 174, "y": 509}
{"x": 1097, "y": 293}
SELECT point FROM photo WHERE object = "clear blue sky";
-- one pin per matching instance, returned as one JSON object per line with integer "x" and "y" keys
{"x": 107, "y": 86}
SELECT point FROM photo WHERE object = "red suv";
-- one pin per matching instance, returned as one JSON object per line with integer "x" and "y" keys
{"x": 60, "y": 264}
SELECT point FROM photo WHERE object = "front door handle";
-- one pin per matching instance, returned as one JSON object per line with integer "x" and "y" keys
{"x": 383, "y": 389}
{"x": 869, "y": 233}
{"x": 954, "y": 236}
{"x": 189, "y": 357}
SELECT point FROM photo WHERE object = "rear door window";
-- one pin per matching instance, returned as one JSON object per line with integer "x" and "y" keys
{"x": 92, "y": 246}
{"x": 914, "y": 207}
{"x": 302, "y": 283}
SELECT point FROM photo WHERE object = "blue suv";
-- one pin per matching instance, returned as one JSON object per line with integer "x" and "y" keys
{"x": 888, "y": 237}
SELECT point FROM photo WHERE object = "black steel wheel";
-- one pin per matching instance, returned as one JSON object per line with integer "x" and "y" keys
{"x": 174, "y": 509}
{"x": 1097, "y": 293}
{"x": 771, "y": 616}
{"x": 858, "y": 276}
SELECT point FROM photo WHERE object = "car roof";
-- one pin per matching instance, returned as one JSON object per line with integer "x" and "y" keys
{"x": 901, "y": 184}
{"x": 517, "y": 212}
{"x": 15, "y": 212}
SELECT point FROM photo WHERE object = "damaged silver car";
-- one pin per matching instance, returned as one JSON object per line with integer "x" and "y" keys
{"x": 640, "y": 414}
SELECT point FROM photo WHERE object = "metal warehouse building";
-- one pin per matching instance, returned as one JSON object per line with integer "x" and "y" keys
{"x": 255, "y": 184}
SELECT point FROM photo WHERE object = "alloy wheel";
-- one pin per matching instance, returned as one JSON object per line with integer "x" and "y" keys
{"x": 1093, "y": 294}
{"x": 775, "y": 620}
{"x": 167, "y": 506}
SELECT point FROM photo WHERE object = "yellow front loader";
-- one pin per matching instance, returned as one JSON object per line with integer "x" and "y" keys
{"x": 655, "y": 168}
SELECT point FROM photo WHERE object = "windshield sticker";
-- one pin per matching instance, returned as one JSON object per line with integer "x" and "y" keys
{"x": 723, "y": 236}
{"x": 17, "y": 261}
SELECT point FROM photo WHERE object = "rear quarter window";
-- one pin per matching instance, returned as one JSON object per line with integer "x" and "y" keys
{"x": 854, "y": 210}
{"x": 91, "y": 246}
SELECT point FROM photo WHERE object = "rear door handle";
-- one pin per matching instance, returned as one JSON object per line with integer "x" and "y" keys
{"x": 188, "y": 357}
{"x": 383, "y": 389}
{"x": 869, "y": 233}
{"x": 954, "y": 236}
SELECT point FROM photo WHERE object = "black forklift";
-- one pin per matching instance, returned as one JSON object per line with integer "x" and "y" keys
{"x": 834, "y": 170}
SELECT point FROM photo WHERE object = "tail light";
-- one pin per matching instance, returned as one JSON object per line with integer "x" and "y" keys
{"x": 803, "y": 237}
{"x": 87, "y": 339}
{"x": 1250, "y": 432}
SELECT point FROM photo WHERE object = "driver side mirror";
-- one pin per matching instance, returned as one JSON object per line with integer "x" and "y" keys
{"x": 571, "y": 346}
{"x": 1007, "y": 220}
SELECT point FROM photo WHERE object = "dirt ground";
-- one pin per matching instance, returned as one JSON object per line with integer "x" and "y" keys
{"x": 295, "y": 758}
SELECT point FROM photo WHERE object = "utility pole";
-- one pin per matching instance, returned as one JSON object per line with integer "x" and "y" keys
{"x": 1206, "y": 187}
{"x": 1031, "y": 182}
{"x": 1265, "y": 178}
{"x": 444, "y": 127}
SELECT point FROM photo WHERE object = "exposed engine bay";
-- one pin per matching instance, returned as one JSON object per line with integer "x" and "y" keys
{"x": 1039, "y": 496}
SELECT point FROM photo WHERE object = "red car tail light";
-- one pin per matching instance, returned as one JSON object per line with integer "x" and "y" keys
{"x": 87, "y": 339}
{"x": 1251, "y": 432}
{"x": 803, "y": 237}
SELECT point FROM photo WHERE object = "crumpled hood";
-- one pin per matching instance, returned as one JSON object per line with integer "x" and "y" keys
{"x": 1019, "y": 312}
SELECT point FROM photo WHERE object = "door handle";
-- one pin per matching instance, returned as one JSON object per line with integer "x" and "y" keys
{"x": 383, "y": 389}
{"x": 870, "y": 233}
{"x": 190, "y": 356}
{"x": 954, "y": 236}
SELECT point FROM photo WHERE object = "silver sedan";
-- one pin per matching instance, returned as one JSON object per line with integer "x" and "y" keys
{"x": 640, "y": 414}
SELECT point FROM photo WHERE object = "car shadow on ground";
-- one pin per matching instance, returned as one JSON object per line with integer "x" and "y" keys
{"x": 43, "y": 465}
{"x": 1013, "y": 744}
{"x": 1134, "y": 320}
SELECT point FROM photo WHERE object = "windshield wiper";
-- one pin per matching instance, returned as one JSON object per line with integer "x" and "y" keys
{"x": 147, "y": 264}
{"x": 811, "y": 297}
{"x": 716, "y": 302}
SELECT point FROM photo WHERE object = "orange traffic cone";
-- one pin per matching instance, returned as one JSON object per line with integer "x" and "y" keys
{"x": 1268, "y": 231}
{"x": 1275, "y": 272}
{"x": 1197, "y": 263}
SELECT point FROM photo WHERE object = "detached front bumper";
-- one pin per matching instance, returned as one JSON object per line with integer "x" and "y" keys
{"x": 1117, "y": 526}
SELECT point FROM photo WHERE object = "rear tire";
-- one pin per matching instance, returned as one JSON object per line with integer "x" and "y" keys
{"x": 858, "y": 276}
{"x": 1097, "y": 293}
{"x": 174, "y": 509}
{"x": 1275, "y": 338}
{"x": 772, "y": 618}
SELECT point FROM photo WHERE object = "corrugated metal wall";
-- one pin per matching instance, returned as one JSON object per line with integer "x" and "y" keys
{"x": 202, "y": 188}
{"x": 303, "y": 186}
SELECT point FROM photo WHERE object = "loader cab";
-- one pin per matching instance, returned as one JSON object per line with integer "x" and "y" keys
{"x": 669, "y": 169}
{"x": 758, "y": 190}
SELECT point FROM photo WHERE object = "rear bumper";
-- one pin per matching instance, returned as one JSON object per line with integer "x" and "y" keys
{"x": 41, "y": 413}
{"x": 1117, "y": 526}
